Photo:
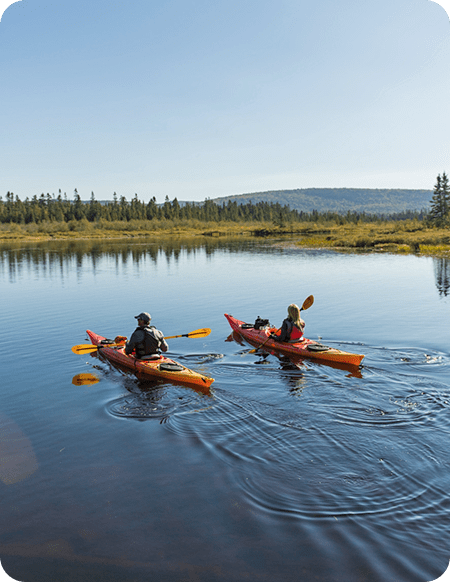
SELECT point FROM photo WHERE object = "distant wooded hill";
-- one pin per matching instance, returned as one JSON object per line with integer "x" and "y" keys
{"x": 340, "y": 200}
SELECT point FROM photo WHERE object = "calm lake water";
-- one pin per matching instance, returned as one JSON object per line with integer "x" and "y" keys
{"x": 283, "y": 472}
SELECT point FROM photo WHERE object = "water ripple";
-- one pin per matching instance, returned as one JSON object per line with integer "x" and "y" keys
{"x": 337, "y": 454}
{"x": 146, "y": 400}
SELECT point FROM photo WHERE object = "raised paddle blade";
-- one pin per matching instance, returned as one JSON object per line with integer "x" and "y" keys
{"x": 196, "y": 333}
{"x": 307, "y": 303}
{"x": 85, "y": 379}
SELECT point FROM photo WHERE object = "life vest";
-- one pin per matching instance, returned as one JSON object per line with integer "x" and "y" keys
{"x": 150, "y": 344}
{"x": 294, "y": 332}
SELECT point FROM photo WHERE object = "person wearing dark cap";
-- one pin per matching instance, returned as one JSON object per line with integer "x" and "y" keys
{"x": 146, "y": 339}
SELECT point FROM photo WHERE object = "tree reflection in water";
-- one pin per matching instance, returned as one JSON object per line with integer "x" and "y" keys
{"x": 442, "y": 274}
{"x": 58, "y": 257}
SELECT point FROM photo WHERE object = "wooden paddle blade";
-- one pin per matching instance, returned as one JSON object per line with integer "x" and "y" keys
{"x": 84, "y": 379}
{"x": 84, "y": 349}
{"x": 307, "y": 303}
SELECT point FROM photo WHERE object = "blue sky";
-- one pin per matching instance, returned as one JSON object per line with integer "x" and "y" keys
{"x": 199, "y": 99}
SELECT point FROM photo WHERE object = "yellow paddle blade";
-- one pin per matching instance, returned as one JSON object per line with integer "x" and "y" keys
{"x": 84, "y": 349}
{"x": 205, "y": 331}
{"x": 88, "y": 348}
{"x": 84, "y": 379}
{"x": 196, "y": 333}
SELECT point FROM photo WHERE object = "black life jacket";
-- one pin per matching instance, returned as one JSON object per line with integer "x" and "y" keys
{"x": 150, "y": 344}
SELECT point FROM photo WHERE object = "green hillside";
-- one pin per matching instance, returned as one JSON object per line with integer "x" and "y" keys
{"x": 341, "y": 200}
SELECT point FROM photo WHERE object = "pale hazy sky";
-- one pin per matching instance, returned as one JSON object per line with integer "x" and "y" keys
{"x": 200, "y": 99}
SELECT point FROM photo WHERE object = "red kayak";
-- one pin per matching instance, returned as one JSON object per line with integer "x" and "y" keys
{"x": 304, "y": 348}
{"x": 157, "y": 367}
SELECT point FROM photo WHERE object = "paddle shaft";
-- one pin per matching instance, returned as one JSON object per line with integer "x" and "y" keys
{"x": 197, "y": 333}
{"x": 87, "y": 348}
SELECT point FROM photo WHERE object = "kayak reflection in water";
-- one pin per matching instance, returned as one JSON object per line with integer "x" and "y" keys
{"x": 146, "y": 339}
{"x": 292, "y": 327}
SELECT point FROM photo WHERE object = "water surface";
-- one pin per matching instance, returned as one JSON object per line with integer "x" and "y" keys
{"x": 284, "y": 471}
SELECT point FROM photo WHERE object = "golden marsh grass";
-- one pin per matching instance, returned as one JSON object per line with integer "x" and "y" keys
{"x": 410, "y": 236}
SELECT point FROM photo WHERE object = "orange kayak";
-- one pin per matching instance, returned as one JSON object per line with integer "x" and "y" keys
{"x": 161, "y": 367}
{"x": 304, "y": 348}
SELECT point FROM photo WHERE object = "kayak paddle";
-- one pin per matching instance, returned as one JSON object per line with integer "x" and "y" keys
{"x": 197, "y": 333}
{"x": 88, "y": 348}
{"x": 306, "y": 305}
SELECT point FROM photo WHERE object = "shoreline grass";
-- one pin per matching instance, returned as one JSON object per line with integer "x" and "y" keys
{"x": 402, "y": 237}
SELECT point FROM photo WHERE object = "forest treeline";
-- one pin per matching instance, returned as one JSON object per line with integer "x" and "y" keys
{"x": 51, "y": 208}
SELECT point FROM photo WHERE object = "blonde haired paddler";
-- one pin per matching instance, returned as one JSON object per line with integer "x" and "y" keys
{"x": 292, "y": 327}
{"x": 289, "y": 329}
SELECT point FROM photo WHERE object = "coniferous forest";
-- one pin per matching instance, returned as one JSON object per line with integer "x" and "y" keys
{"x": 50, "y": 208}
{"x": 49, "y": 216}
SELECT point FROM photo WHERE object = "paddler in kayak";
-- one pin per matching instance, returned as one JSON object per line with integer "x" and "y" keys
{"x": 146, "y": 340}
{"x": 292, "y": 327}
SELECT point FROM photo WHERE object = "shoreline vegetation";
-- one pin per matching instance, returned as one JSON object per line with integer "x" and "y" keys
{"x": 51, "y": 217}
{"x": 400, "y": 236}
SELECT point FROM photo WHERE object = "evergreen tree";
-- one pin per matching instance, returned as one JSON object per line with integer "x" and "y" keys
{"x": 167, "y": 209}
{"x": 94, "y": 211}
{"x": 79, "y": 210}
{"x": 175, "y": 209}
{"x": 440, "y": 201}
{"x": 445, "y": 194}
{"x": 152, "y": 209}
{"x": 19, "y": 211}
{"x": 124, "y": 209}
{"x": 58, "y": 209}
{"x": 186, "y": 211}
{"x": 115, "y": 209}
{"x": 137, "y": 209}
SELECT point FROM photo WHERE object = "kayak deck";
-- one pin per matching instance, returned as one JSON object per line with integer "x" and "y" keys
{"x": 162, "y": 367}
{"x": 304, "y": 348}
